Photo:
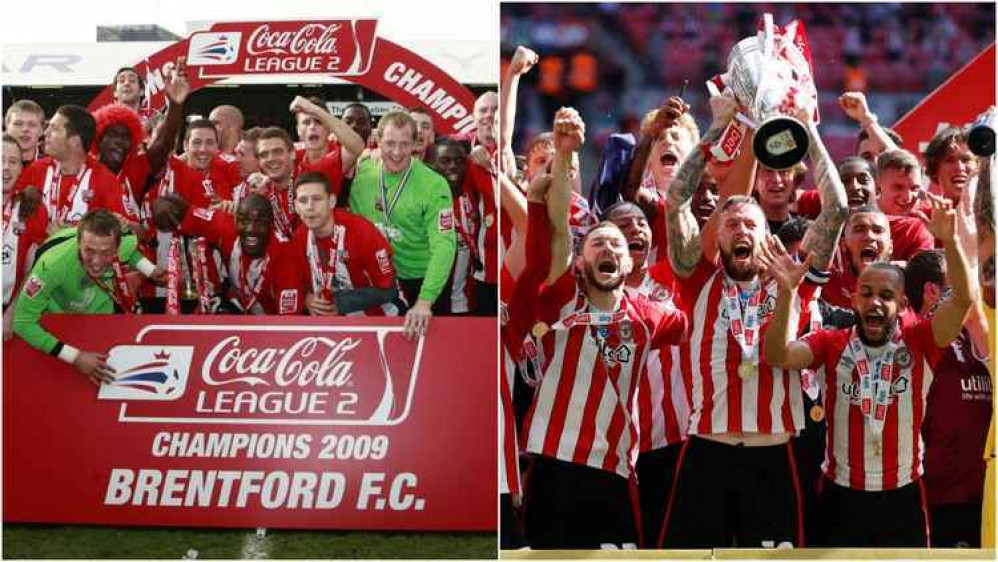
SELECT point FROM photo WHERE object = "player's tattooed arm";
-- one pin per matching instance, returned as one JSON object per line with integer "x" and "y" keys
{"x": 822, "y": 236}
{"x": 685, "y": 242}
{"x": 984, "y": 204}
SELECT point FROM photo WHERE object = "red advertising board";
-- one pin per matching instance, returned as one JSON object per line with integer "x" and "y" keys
{"x": 960, "y": 99}
{"x": 264, "y": 422}
{"x": 347, "y": 49}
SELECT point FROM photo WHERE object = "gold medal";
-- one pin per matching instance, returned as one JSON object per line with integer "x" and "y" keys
{"x": 876, "y": 446}
{"x": 817, "y": 413}
{"x": 540, "y": 329}
{"x": 746, "y": 370}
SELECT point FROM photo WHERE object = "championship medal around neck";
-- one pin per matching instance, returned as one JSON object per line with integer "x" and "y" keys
{"x": 540, "y": 329}
{"x": 817, "y": 413}
{"x": 747, "y": 369}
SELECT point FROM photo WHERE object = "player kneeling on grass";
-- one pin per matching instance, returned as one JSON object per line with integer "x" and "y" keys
{"x": 874, "y": 379}
{"x": 80, "y": 271}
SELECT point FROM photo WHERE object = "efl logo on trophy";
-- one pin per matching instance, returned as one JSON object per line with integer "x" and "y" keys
{"x": 771, "y": 77}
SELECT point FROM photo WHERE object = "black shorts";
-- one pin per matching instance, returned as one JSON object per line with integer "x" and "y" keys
{"x": 858, "y": 519}
{"x": 655, "y": 471}
{"x": 956, "y": 525}
{"x": 510, "y": 528}
{"x": 572, "y": 506}
{"x": 727, "y": 495}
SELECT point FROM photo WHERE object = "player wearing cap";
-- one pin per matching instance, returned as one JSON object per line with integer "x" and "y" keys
{"x": 875, "y": 376}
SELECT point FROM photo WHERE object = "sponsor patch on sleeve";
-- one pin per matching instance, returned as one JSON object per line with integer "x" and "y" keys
{"x": 33, "y": 286}
{"x": 384, "y": 261}
{"x": 288, "y": 302}
{"x": 204, "y": 213}
{"x": 445, "y": 220}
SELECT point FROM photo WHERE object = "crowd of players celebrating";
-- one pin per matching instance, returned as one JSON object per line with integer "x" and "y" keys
{"x": 102, "y": 214}
{"x": 723, "y": 355}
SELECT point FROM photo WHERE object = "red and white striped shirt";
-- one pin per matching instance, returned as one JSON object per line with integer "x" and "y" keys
{"x": 852, "y": 456}
{"x": 584, "y": 408}
{"x": 768, "y": 402}
{"x": 663, "y": 396}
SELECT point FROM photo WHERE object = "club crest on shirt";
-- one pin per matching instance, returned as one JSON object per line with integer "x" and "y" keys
{"x": 626, "y": 330}
{"x": 8, "y": 254}
{"x": 903, "y": 357}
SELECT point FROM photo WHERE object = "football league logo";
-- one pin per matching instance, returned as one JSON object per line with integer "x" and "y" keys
{"x": 144, "y": 372}
{"x": 208, "y": 49}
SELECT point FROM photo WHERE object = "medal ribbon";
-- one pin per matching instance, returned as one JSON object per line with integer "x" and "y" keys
{"x": 199, "y": 271}
{"x": 53, "y": 191}
{"x": 465, "y": 225}
{"x": 874, "y": 379}
{"x": 324, "y": 273}
{"x": 8, "y": 213}
{"x": 173, "y": 277}
{"x": 282, "y": 222}
{"x": 390, "y": 207}
{"x": 744, "y": 328}
{"x": 119, "y": 291}
{"x": 249, "y": 290}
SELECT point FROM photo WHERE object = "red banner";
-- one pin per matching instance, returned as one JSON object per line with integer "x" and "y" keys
{"x": 263, "y": 422}
{"x": 957, "y": 102}
{"x": 346, "y": 49}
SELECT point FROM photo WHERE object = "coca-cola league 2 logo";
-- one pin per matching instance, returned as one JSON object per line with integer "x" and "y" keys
{"x": 325, "y": 47}
{"x": 269, "y": 375}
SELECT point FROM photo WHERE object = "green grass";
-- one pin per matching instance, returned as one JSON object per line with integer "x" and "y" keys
{"x": 49, "y": 541}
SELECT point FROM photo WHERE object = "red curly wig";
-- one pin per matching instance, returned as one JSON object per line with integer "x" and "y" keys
{"x": 118, "y": 114}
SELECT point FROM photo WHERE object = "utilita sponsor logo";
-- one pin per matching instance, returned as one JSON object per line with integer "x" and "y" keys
{"x": 311, "y": 39}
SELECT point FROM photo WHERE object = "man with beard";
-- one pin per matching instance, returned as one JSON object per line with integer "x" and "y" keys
{"x": 264, "y": 276}
{"x": 596, "y": 336}
{"x": 957, "y": 413}
{"x": 875, "y": 381}
{"x": 738, "y": 458}
{"x": 68, "y": 181}
{"x": 80, "y": 271}
{"x": 349, "y": 262}
{"x": 24, "y": 230}
{"x": 411, "y": 205}
{"x": 319, "y": 153}
{"x": 663, "y": 405}
{"x": 909, "y": 235}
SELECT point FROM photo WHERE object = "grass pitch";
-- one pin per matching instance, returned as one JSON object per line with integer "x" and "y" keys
{"x": 53, "y": 541}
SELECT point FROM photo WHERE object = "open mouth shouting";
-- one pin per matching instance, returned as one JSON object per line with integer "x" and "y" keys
{"x": 869, "y": 254}
{"x": 742, "y": 251}
{"x": 875, "y": 325}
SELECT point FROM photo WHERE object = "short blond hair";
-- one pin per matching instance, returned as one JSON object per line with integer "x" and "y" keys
{"x": 685, "y": 122}
{"x": 900, "y": 160}
{"x": 398, "y": 119}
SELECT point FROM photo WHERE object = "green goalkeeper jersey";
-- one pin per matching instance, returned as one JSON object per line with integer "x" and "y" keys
{"x": 59, "y": 284}
{"x": 414, "y": 210}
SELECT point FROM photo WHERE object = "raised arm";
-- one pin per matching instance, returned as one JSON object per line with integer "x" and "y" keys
{"x": 854, "y": 105}
{"x": 777, "y": 347}
{"x": 685, "y": 243}
{"x": 523, "y": 60}
{"x": 351, "y": 142}
{"x": 176, "y": 89}
{"x": 822, "y": 236}
{"x": 670, "y": 111}
{"x": 950, "y": 317}
{"x": 569, "y": 134}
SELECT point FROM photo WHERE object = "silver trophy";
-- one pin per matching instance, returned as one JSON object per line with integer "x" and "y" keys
{"x": 770, "y": 76}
